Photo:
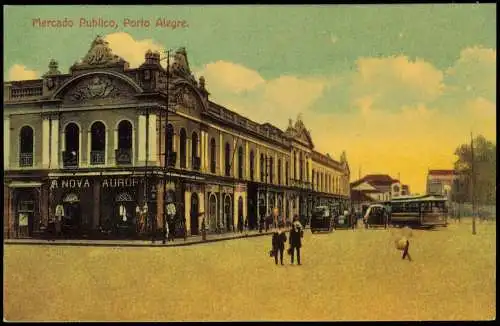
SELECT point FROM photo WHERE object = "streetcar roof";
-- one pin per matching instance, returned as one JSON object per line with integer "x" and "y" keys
{"x": 413, "y": 199}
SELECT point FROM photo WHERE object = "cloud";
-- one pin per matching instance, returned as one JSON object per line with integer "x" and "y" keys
{"x": 21, "y": 72}
{"x": 231, "y": 77}
{"x": 125, "y": 46}
{"x": 395, "y": 82}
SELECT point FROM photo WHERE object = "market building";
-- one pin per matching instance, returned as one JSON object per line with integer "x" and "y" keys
{"x": 107, "y": 148}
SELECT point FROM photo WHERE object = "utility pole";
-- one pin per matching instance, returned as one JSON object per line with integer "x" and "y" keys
{"x": 166, "y": 156}
{"x": 473, "y": 185}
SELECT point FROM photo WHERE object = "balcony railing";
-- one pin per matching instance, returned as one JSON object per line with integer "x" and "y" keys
{"x": 70, "y": 159}
{"x": 123, "y": 156}
{"x": 97, "y": 157}
{"x": 196, "y": 163}
{"x": 25, "y": 159}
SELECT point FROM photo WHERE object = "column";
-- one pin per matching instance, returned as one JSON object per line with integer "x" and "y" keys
{"x": 45, "y": 142}
{"x": 6, "y": 142}
{"x": 247, "y": 162}
{"x": 89, "y": 148}
{"x": 141, "y": 134}
{"x": 257, "y": 165}
{"x": 187, "y": 209}
{"x": 236, "y": 196}
{"x": 152, "y": 141}
{"x": 234, "y": 158}
{"x": 201, "y": 208}
{"x": 221, "y": 156}
{"x": 106, "y": 148}
{"x": 202, "y": 151}
{"x": 207, "y": 161}
{"x": 275, "y": 169}
{"x": 80, "y": 136}
{"x": 245, "y": 208}
{"x": 63, "y": 146}
{"x": 54, "y": 139}
{"x": 177, "y": 146}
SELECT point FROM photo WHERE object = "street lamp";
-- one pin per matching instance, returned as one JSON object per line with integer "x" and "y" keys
{"x": 166, "y": 153}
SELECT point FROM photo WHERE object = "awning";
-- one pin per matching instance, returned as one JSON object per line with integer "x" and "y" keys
{"x": 27, "y": 184}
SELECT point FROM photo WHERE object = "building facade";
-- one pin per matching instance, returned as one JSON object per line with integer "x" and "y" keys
{"x": 107, "y": 147}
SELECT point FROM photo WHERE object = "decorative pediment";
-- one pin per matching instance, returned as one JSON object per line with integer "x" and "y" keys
{"x": 187, "y": 99}
{"x": 99, "y": 54}
{"x": 299, "y": 132}
{"x": 101, "y": 87}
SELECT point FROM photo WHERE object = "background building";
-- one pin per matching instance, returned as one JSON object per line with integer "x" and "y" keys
{"x": 90, "y": 146}
{"x": 374, "y": 188}
{"x": 440, "y": 182}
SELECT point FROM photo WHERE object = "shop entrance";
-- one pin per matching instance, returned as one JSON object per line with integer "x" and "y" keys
{"x": 194, "y": 214}
{"x": 25, "y": 214}
{"x": 72, "y": 219}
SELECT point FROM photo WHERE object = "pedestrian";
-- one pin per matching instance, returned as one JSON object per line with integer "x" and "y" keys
{"x": 296, "y": 234}
{"x": 403, "y": 243}
{"x": 278, "y": 243}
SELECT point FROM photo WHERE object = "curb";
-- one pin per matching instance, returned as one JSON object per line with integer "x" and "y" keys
{"x": 181, "y": 243}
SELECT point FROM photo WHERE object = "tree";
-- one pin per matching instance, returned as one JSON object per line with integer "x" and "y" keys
{"x": 484, "y": 177}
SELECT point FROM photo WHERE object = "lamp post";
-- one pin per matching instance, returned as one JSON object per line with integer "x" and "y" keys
{"x": 166, "y": 153}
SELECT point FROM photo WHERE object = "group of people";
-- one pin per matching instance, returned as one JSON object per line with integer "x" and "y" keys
{"x": 279, "y": 239}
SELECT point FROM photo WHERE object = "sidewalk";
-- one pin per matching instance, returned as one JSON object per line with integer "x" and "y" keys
{"x": 137, "y": 243}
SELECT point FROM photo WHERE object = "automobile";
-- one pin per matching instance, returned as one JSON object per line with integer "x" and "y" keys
{"x": 376, "y": 215}
{"x": 322, "y": 219}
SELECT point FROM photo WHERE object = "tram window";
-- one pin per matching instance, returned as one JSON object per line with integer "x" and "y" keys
{"x": 26, "y": 206}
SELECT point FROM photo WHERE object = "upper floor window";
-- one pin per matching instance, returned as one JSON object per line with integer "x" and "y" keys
{"x": 228, "y": 160}
{"x": 213, "y": 155}
{"x": 98, "y": 143}
{"x": 279, "y": 171}
{"x": 72, "y": 145}
{"x": 26, "y": 141}
{"x": 123, "y": 154}
{"x": 182, "y": 149}
{"x": 240, "y": 162}
{"x": 252, "y": 165}
{"x": 195, "y": 160}
{"x": 262, "y": 168}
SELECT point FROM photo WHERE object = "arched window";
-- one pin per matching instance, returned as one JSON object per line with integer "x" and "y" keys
{"x": 26, "y": 143}
{"x": 213, "y": 155}
{"x": 98, "y": 143}
{"x": 287, "y": 168}
{"x": 252, "y": 165}
{"x": 228, "y": 159}
{"x": 279, "y": 171}
{"x": 123, "y": 154}
{"x": 182, "y": 148}
{"x": 240, "y": 162}
{"x": 195, "y": 160}
{"x": 271, "y": 170}
{"x": 72, "y": 145}
{"x": 262, "y": 168}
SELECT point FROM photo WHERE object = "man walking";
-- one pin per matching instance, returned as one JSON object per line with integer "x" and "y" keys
{"x": 296, "y": 234}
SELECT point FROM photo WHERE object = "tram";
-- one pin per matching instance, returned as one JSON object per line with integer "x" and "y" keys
{"x": 422, "y": 211}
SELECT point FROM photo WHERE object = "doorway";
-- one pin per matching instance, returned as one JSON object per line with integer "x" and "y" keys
{"x": 241, "y": 218}
{"x": 71, "y": 224}
{"x": 194, "y": 214}
{"x": 228, "y": 213}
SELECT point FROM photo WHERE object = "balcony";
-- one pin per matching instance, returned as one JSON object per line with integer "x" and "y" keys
{"x": 123, "y": 156}
{"x": 196, "y": 162}
{"x": 171, "y": 159}
{"x": 97, "y": 157}
{"x": 70, "y": 159}
{"x": 25, "y": 159}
